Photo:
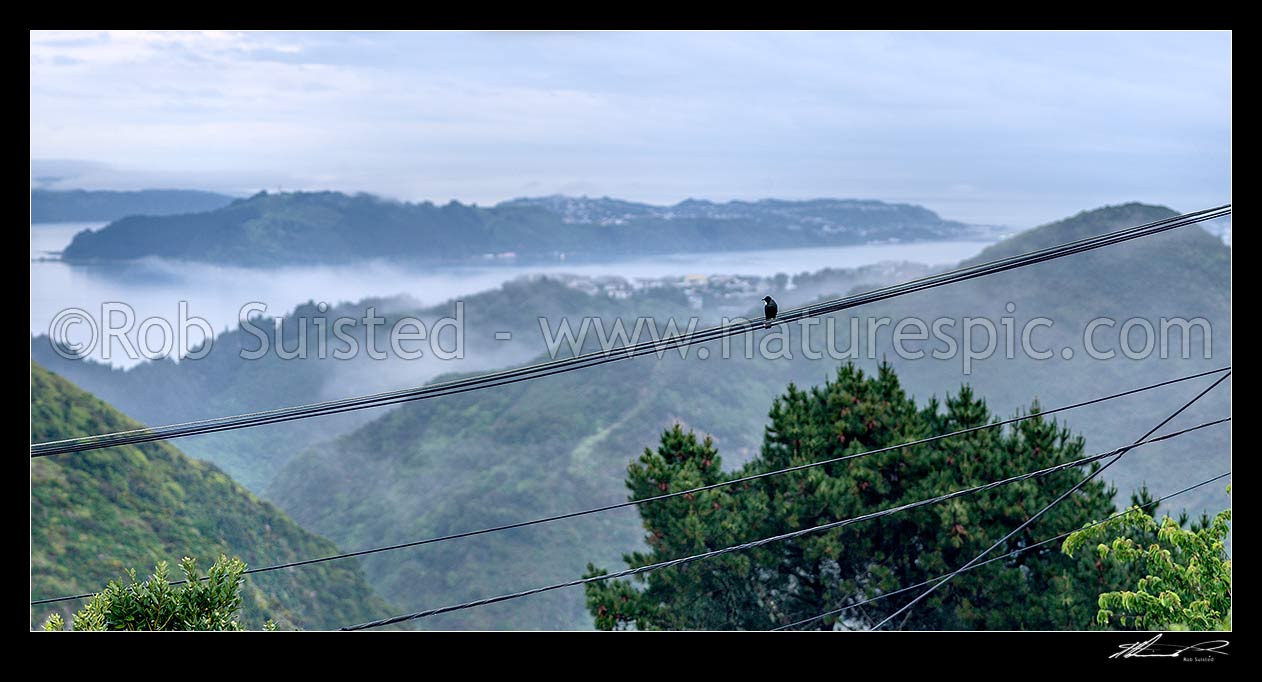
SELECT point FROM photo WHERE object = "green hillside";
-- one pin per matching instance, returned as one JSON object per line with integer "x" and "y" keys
{"x": 95, "y": 514}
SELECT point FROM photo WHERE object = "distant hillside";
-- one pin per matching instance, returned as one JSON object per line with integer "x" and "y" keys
{"x": 1184, "y": 273}
{"x": 77, "y": 205}
{"x": 330, "y": 227}
{"x": 225, "y": 383}
{"x": 95, "y": 514}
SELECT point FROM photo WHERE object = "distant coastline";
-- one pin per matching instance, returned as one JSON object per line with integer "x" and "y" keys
{"x": 334, "y": 228}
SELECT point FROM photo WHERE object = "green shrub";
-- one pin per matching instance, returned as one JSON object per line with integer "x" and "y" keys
{"x": 210, "y": 603}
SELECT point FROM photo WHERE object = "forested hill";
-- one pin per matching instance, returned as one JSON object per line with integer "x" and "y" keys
{"x": 77, "y": 205}
{"x": 96, "y": 514}
{"x": 328, "y": 227}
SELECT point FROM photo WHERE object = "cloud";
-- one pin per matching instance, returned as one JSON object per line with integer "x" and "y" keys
{"x": 1068, "y": 118}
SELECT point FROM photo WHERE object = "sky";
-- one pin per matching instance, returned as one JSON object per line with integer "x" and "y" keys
{"x": 1005, "y": 128}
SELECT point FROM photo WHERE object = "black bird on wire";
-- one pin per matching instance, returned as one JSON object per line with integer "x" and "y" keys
{"x": 770, "y": 309}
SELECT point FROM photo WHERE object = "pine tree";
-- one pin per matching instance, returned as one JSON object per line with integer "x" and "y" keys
{"x": 788, "y": 581}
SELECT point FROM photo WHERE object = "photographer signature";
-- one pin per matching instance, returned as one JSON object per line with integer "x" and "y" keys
{"x": 1151, "y": 649}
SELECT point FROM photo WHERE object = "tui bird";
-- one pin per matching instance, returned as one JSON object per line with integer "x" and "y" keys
{"x": 770, "y": 309}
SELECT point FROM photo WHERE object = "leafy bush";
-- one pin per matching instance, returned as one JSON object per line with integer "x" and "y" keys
{"x": 1187, "y": 573}
{"x": 212, "y": 603}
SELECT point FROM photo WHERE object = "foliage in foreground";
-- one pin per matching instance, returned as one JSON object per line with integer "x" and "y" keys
{"x": 212, "y": 603}
{"x": 1187, "y": 572}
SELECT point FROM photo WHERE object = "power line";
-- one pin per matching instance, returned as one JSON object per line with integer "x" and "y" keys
{"x": 1063, "y": 496}
{"x": 1015, "y": 552}
{"x": 775, "y": 538}
{"x": 595, "y": 358}
{"x": 692, "y": 491}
